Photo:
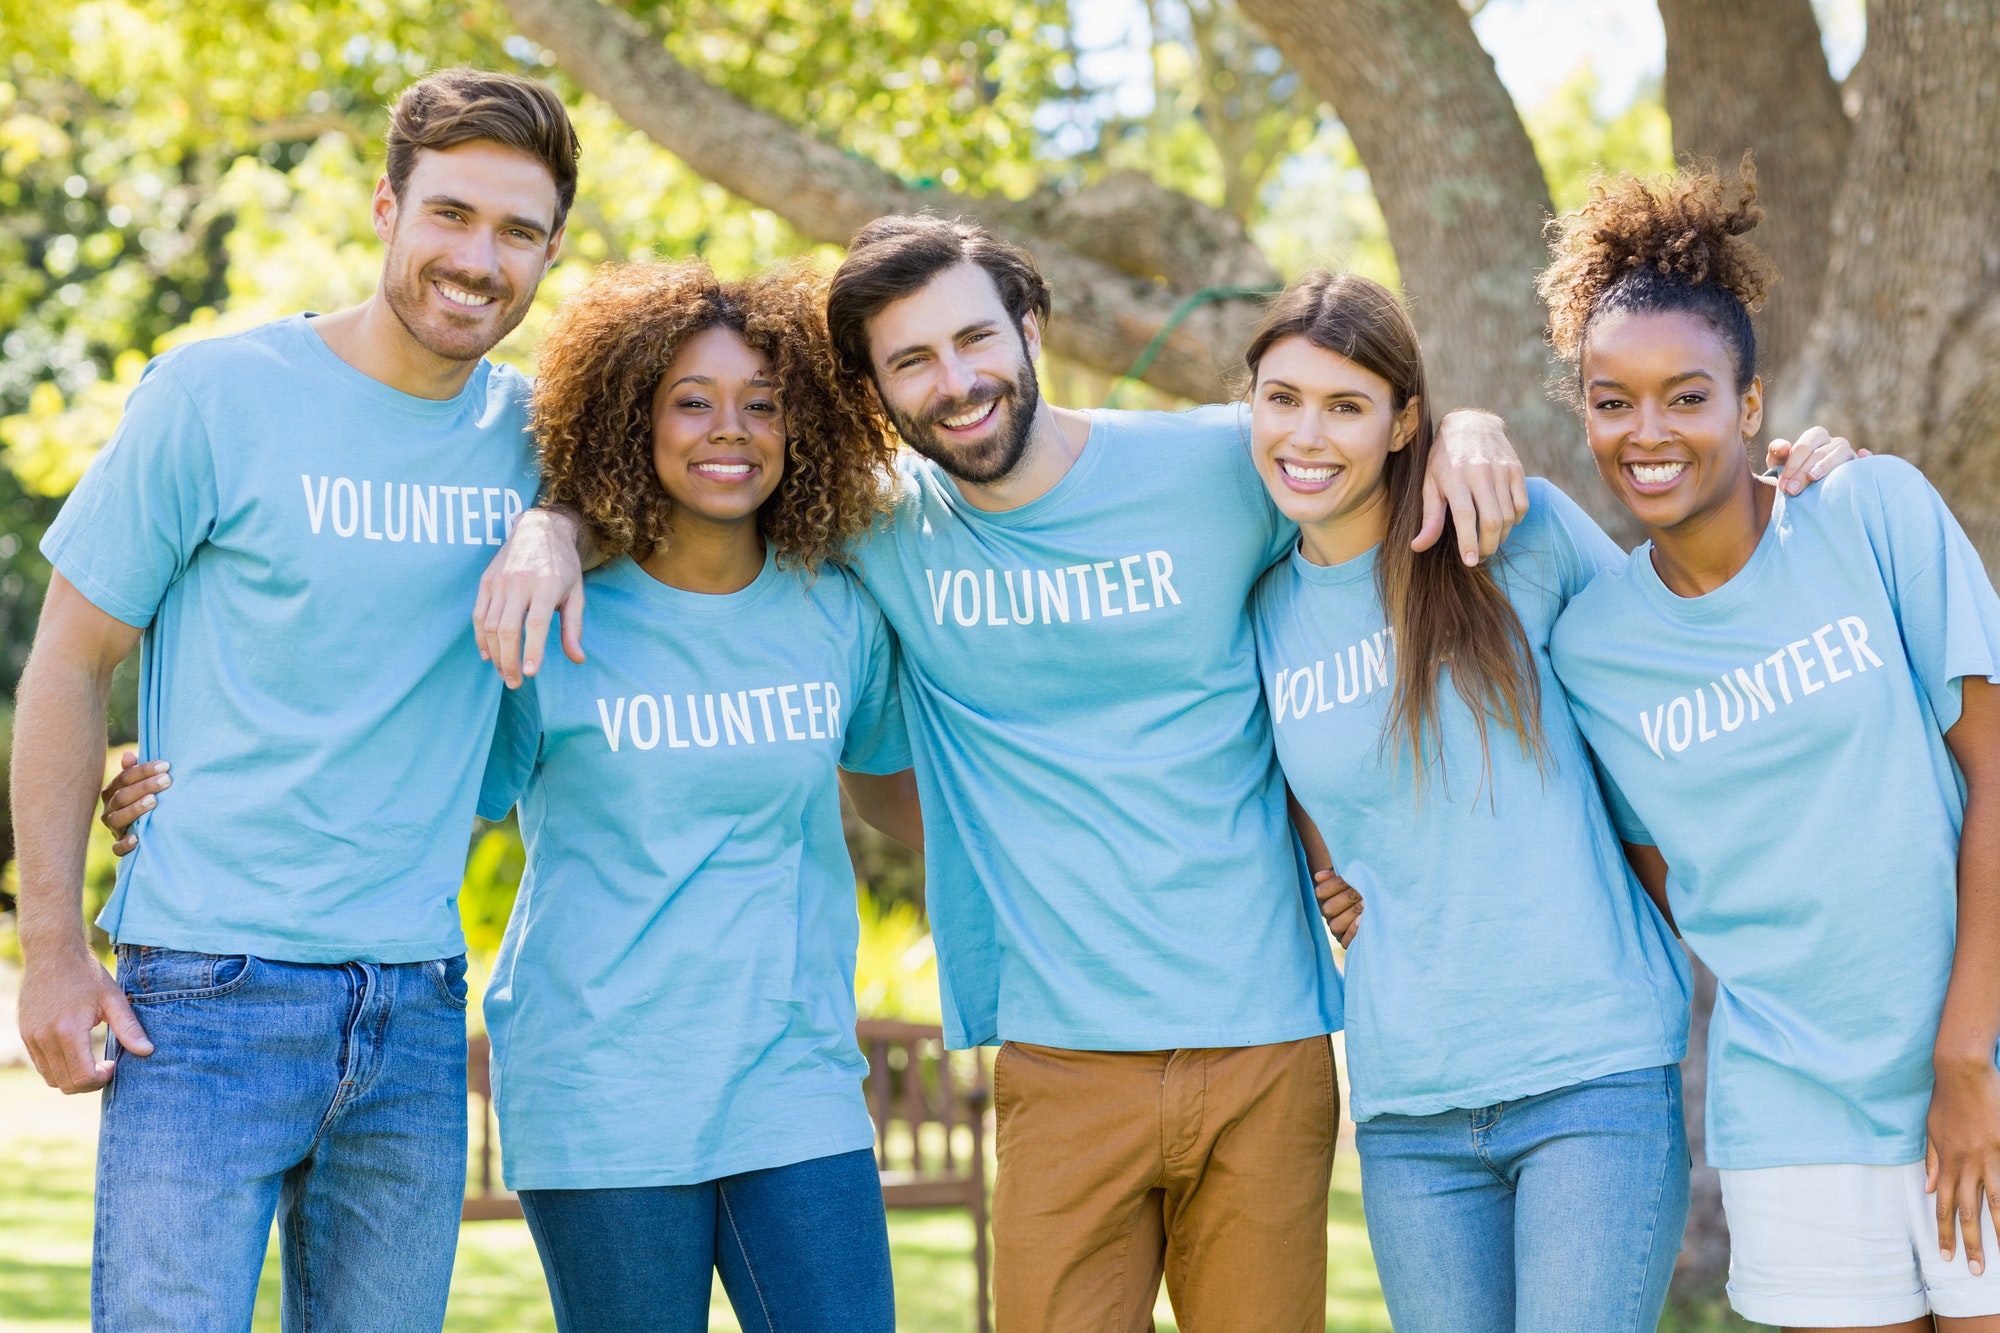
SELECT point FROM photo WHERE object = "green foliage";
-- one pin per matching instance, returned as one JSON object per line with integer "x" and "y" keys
{"x": 492, "y": 878}
{"x": 895, "y": 973}
{"x": 1576, "y": 141}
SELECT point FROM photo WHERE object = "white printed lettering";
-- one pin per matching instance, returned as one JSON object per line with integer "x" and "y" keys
{"x": 487, "y": 495}
{"x": 1055, "y": 592}
{"x": 763, "y": 698}
{"x": 833, "y": 710}
{"x": 1133, "y": 586}
{"x": 993, "y": 616}
{"x": 1680, "y": 723}
{"x": 512, "y": 504}
{"x": 651, "y": 736}
{"x": 813, "y": 711}
{"x": 450, "y": 527}
{"x": 674, "y": 739}
{"x": 1855, "y": 630}
{"x": 1160, "y": 566}
{"x": 1777, "y": 661}
{"x": 1701, "y": 728}
{"x": 792, "y": 733}
{"x": 340, "y": 485}
{"x": 1374, "y": 662}
{"x": 399, "y": 512}
{"x": 1302, "y": 699}
{"x": 1654, "y": 727}
{"x": 1754, "y": 691}
{"x": 466, "y": 495}
{"x": 1722, "y": 703}
{"x": 424, "y": 513}
{"x": 1082, "y": 573}
{"x": 1104, "y": 590}
{"x": 959, "y": 584}
{"x": 736, "y": 717}
{"x": 368, "y": 511}
{"x": 1014, "y": 603}
{"x": 694, "y": 723}
{"x": 1347, "y": 672}
{"x": 614, "y": 723}
{"x": 940, "y": 590}
{"x": 1806, "y": 683}
{"x": 315, "y": 511}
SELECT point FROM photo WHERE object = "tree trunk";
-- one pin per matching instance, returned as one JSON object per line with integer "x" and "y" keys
{"x": 1904, "y": 352}
{"x": 1755, "y": 77}
{"x": 1120, "y": 257}
{"x": 1465, "y": 200}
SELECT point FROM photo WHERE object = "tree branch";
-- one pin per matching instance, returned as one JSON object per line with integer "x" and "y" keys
{"x": 1104, "y": 250}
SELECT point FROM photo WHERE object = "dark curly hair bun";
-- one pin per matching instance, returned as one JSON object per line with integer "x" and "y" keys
{"x": 1672, "y": 243}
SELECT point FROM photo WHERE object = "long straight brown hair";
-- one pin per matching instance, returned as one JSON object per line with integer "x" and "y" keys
{"x": 1441, "y": 612}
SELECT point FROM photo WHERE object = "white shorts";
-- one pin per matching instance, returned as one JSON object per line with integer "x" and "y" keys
{"x": 1856, "y": 1246}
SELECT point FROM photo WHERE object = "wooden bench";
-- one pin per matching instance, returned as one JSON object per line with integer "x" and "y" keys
{"x": 930, "y": 1130}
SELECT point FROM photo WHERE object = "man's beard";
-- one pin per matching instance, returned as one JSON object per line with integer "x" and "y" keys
{"x": 439, "y": 337}
{"x": 995, "y": 456}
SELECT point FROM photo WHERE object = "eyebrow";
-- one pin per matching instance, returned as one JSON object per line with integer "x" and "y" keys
{"x": 902, "y": 352}
{"x": 1275, "y": 383}
{"x": 755, "y": 382}
{"x": 1669, "y": 382}
{"x": 514, "y": 220}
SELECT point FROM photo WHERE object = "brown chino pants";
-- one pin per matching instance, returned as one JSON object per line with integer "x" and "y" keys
{"x": 1208, "y": 1166}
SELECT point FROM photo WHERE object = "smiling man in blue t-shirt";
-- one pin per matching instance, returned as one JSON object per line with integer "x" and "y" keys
{"x": 291, "y": 521}
{"x": 1111, "y": 876}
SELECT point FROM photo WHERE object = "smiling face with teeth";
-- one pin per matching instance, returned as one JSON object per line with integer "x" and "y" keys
{"x": 1667, "y": 424}
{"x": 718, "y": 438}
{"x": 468, "y": 240}
{"x": 1321, "y": 430}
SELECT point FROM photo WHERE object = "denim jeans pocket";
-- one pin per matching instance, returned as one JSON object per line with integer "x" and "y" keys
{"x": 448, "y": 975}
{"x": 156, "y": 976}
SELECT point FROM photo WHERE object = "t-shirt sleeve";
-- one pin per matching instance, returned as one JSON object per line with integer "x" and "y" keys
{"x": 517, "y": 745}
{"x": 1623, "y": 817}
{"x": 131, "y": 526}
{"x": 876, "y": 740}
{"x": 1946, "y": 608}
{"x": 1588, "y": 551}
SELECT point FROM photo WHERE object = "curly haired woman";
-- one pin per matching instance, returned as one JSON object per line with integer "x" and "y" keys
{"x": 672, "y": 1010}
{"x": 1761, "y": 652}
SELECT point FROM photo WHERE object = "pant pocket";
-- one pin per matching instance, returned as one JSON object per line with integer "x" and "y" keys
{"x": 448, "y": 975}
{"x": 160, "y": 976}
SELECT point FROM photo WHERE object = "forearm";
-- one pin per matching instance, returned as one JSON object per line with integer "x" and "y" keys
{"x": 1651, "y": 869}
{"x": 1970, "y": 1026}
{"x": 888, "y": 802}
{"x": 58, "y": 765}
{"x": 588, "y": 556}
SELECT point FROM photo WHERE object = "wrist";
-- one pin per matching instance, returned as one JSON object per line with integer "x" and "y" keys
{"x": 54, "y": 949}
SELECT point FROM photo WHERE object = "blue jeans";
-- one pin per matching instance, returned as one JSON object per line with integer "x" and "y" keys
{"x": 1557, "y": 1212}
{"x": 330, "y": 1096}
{"x": 801, "y": 1248}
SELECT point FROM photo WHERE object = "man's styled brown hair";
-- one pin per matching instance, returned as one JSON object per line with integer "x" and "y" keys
{"x": 601, "y": 362}
{"x": 894, "y": 256}
{"x": 456, "y": 106}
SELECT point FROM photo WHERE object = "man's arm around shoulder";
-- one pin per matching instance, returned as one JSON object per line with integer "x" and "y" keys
{"x": 59, "y": 739}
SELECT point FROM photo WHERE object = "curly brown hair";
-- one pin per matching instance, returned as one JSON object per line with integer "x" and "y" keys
{"x": 1671, "y": 243}
{"x": 601, "y": 362}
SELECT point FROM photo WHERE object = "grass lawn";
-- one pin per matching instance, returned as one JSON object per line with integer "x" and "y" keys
{"x": 47, "y": 1144}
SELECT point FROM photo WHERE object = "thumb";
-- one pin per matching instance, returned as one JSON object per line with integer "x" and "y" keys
{"x": 1433, "y": 527}
{"x": 131, "y": 1036}
{"x": 571, "y": 612}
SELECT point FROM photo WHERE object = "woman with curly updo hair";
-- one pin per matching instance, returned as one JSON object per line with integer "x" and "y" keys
{"x": 672, "y": 1009}
{"x": 1760, "y": 653}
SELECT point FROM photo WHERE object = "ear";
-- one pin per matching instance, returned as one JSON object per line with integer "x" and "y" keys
{"x": 1753, "y": 407}
{"x": 383, "y": 211}
{"x": 554, "y": 250}
{"x": 1405, "y": 428}
{"x": 1031, "y": 336}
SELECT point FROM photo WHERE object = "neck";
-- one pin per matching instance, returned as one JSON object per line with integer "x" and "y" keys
{"x": 709, "y": 556}
{"x": 1340, "y": 538}
{"x": 1055, "y": 441}
{"x": 372, "y": 338}
{"x": 1706, "y": 550}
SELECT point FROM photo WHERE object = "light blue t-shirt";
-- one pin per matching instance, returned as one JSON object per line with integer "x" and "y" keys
{"x": 301, "y": 544}
{"x": 674, "y": 998}
{"x": 1781, "y": 740}
{"x": 1507, "y": 948}
{"x": 1110, "y": 866}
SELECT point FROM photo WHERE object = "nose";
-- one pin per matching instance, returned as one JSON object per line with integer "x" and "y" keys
{"x": 730, "y": 427}
{"x": 1649, "y": 425}
{"x": 1312, "y": 428}
{"x": 477, "y": 254}
{"x": 957, "y": 379}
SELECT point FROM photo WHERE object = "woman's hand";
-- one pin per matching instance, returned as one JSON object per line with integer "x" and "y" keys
{"x": 1340, "y": 903}
{"x": 1476, "y": 474}
{"x": 1797, "y": 464}
{"x": 130, "y": 794}
{"x": 1962, "y": 1159}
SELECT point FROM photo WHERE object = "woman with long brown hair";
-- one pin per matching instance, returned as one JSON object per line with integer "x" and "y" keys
{"x": 1516, "y": 1008}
